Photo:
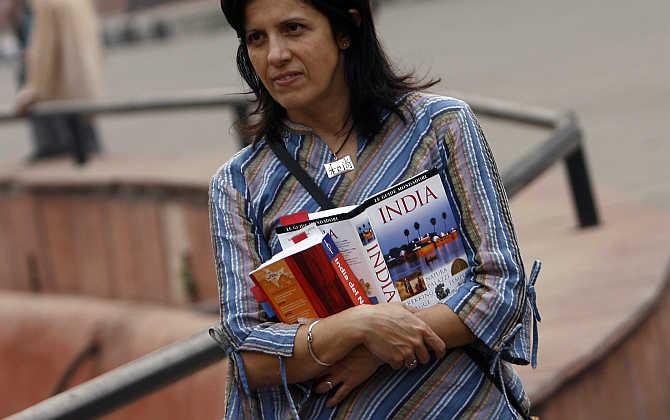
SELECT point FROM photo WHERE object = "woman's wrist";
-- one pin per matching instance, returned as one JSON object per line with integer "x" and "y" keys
{"x": 342, "y": 331}
{"x": 310, "y": 349}
{"x": 355, "y": 320}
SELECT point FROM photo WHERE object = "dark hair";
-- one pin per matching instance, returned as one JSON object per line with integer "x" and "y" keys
{"x": 374, "y": 85}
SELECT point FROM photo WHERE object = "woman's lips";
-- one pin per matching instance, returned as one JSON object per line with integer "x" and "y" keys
{"x": 287, "y": 79}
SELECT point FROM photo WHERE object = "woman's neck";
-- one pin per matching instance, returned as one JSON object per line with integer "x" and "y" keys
{"x": 331, "y": 120}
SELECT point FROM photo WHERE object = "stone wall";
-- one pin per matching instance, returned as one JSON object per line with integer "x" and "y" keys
{"x": 152, "y": 247}
{"x": 42, "y": 334}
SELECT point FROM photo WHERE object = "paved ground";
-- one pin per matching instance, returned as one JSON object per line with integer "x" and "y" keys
{"x": 609, "y": 61}
{"x": 594, "y": 287}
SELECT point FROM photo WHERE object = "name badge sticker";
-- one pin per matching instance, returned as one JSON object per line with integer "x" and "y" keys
{"x": 339, "y": 167}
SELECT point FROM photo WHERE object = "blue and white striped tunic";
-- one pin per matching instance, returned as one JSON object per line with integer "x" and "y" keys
{"x": 250, "y": 192}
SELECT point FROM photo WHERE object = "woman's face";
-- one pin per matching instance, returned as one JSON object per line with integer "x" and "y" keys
{"x": 294, "y": 53}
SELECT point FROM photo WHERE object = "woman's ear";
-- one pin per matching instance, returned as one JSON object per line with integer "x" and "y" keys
{"x": 356, "y": 16}
{"x": 343, "y": 41}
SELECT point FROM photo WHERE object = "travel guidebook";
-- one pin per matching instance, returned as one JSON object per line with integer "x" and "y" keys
{"x": 310, "y": 279}
{"x": 402, "y": 244}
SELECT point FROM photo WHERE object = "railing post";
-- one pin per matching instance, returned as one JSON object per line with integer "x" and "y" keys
{"x": 78, "y": 147}
{"x": 580, "y": 185}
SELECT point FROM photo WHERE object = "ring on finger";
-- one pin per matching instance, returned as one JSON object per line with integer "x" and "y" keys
{"x": 411, "y": 364}
{"x": 330, "y": 385}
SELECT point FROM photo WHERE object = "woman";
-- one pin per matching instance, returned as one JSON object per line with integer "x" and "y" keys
{"x": 325, "y": 91}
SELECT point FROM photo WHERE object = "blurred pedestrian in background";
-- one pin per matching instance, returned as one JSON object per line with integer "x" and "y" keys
{"x": 61, "y": 60}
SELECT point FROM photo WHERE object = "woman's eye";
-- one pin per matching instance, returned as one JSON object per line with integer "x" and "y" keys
{"x": 253, "y": 37}
{"x": 293, "y": 27}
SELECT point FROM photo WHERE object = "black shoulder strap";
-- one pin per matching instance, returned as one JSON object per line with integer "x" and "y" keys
{"x": 303, "y": 177}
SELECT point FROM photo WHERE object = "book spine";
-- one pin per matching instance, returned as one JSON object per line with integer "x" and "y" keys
{"x": 307, "y": 288}
{"x": 353, "y": 288}
{"x": 324, "y": 280}
{"x": 383, "y": 286}
{"x": 374, "y": 270}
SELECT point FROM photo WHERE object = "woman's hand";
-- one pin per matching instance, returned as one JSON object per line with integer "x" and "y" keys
{"x": 347, "y": 374}
{"x": 395, "y": 335}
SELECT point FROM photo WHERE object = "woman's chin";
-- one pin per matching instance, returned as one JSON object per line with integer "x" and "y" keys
{"x": 294, "y": 102}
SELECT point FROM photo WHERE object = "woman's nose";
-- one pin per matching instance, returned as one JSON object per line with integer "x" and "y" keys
{"x": 278, "y": 52}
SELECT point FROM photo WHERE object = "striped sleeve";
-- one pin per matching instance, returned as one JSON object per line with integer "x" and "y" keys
{"x": 239, "y": 247}
{"x": 491, "y": 301}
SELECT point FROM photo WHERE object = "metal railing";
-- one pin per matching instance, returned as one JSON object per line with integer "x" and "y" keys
{"x": 173, "y": 362}
{"x": 129, "y": 382}
{"x": 563, "y": 143}
{"x": 197, "y": 99}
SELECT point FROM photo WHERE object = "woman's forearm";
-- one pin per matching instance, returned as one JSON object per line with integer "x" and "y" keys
{"x": 333, "y": 338}
{"x": 447, "y": 325}
{"x": 391, "y": 332}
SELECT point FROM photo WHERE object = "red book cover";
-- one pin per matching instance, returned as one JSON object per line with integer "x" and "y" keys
{"x": 259, "y": 294}
{"x": 302, "y": 275}
{"x": 318, "y": 269}
{"x": 310, "y": 279}
{"x": 291, "y": 219}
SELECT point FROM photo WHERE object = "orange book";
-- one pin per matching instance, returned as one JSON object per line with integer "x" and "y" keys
{"x": 310, "y": 279}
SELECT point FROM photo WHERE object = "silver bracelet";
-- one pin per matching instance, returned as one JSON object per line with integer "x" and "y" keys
{"x": 310, "y": 338}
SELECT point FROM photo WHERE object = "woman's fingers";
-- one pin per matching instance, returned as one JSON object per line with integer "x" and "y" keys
{"x": 428, "y": 340}
{"x": 341, "y": 393}
{"x": 394, "y": 357}
{"x": 435, "y": 343}
{"x": 398, "y": 337}
{"x": 347, "y": 374}
{"x": 421, "y": 353}
{"x": 410, "y": 360}
{"x": 396, "y": 362}
{"x": 326, "y": 385}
